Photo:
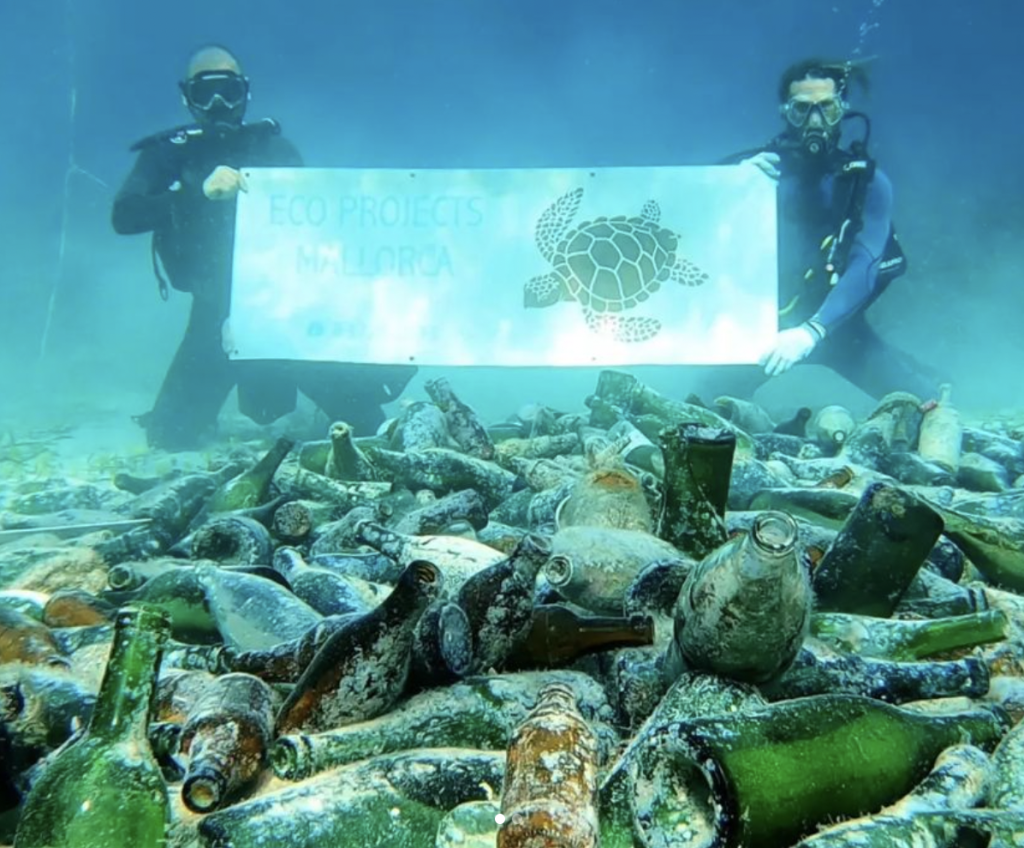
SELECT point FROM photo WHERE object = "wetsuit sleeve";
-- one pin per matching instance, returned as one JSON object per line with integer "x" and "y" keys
{"x": 145, "y": 200}
{"x": 857, "y": 285}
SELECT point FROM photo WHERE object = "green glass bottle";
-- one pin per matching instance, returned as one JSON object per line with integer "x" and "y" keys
{"x": 907, "y": 640}
{"x": 698, "y": 464}
{"x": 106, "y": 788}
{"x": 926, "y": 816}
{"x": 249, "y": 488}
{"x": 769, "y": 776}
{"x": 877, "y": 553}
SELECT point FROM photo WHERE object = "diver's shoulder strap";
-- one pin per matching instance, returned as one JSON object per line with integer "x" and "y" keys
{"x": 182, "y": 135}
{"x": 263, "y": 127}
{"x": 857, "y": 169}
{"x": 176, "y": 135}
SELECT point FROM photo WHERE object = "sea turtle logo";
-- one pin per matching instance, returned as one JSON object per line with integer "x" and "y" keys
{"x": 607, "y": 266}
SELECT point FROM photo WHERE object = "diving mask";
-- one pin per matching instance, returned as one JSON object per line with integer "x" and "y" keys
{"x": 211, "y": 90}
{"x": 798, "y": 112}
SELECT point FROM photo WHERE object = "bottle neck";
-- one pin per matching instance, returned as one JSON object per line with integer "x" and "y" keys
{"x": 122, "y": 707}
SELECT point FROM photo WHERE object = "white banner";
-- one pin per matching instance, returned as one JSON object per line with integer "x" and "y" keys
{"x": 617, "y": 266}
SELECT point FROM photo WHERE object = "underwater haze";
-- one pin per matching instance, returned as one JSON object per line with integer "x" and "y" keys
{"x": 491, "y": 84}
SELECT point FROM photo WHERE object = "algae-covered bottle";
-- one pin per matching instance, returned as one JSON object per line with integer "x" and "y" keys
{"x": 698, "y": 465}
{"x": 362, "y": 669}
{"x": 250, "y": 488}
{"x": 907, "y": 639}
{"x": 106, "y": 788}
{"x": 878, "y": 552}
{"x": 770, "y": 776}
{"x": 756, "y": 582}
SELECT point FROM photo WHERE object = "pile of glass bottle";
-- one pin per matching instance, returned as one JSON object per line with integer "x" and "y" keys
{"x": 652, "y": 623}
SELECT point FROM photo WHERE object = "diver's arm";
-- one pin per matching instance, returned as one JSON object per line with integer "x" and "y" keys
{"x": 856, "y": 286}
{"x": 145, "y": 200}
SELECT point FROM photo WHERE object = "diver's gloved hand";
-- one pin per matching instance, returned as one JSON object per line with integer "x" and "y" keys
{"x": 767, "y": 163}
{"x": 224, "y": 183}
{"x": 791, "y": 346}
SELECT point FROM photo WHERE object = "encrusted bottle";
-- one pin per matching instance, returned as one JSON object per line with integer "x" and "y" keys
{"x": 877, "y": 553}
{"x": 607, "y": 497}
{"x": 498, "y": 602}
{"x": 550, "y": 789}
{"x": 463, "y": 424}
{"x": 480, "y": 713}
{"x": 907, "y": 639}
{"x": 818, "y": 671}
{"x": 926, "y": 815}
{"x": 328, "y": 592}
{"x": 753, "y": 782}
{"x": 25, "y": 640}
{"x": 106, "y": 788}
{"x": 225, "y": 739}
{"x": 831, "y": 427}
{"x": 390, "y": 801}
{"x": 698, "y": 465}
{"x": 934, "y": 596}
{"x": 333, "y": 690}
{"x": 743, "y": 610}
{"x": 346, "y": 461}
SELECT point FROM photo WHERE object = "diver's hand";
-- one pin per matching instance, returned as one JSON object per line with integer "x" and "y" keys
{"x": 791, "y": 346}
{"x": 767, "y": 163}
{"x": 224, "y": 183}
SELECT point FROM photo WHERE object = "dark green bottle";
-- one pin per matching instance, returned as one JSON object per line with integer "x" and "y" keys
{"x": 250, "y": 488}
{"x": 698, "y": 465}
{"x": 877, "y": 553}
{"x": 106, "y": 789}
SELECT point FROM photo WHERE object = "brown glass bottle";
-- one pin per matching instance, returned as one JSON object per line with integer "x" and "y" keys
{"x": 550, "y": 787}
{"x": 333, "y": 690}
{"x": 558, "y": 635}
{"x": 226, "y": 738}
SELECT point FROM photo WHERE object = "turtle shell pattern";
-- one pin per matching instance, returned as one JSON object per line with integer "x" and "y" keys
{"x": 612, "y": 264}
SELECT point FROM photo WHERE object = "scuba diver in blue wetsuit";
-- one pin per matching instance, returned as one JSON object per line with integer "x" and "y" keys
{"x": 838, "y": 250}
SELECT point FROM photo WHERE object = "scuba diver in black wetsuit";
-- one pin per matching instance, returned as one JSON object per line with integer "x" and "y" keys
{"x": 182, "y": 189}
{"x": 838, "y": 250}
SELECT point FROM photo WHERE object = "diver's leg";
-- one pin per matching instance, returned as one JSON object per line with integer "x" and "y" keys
{"x": 354, "y": 392}
{"x": 195, "y": 387}
{"x": 266, "y": 389}
{"x": 855, "y": 351}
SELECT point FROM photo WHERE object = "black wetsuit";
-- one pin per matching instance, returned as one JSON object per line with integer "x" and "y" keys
{"x": 194, "y": 239}
{"x": 812, "y": 204}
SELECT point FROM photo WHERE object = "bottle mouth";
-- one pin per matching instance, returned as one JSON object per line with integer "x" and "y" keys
{"x": 680, "y": 793}
{"x": 204, "y": 791}
{"x": 291, "y": 757}
{"x": 774, "y": 532}
{"x": 558, "y": 570}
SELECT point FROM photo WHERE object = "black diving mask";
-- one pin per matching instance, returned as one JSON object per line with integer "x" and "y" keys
{"x": 215, "y": 90}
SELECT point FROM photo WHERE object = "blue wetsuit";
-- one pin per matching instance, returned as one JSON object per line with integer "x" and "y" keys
{"x": 812, "y": 205}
